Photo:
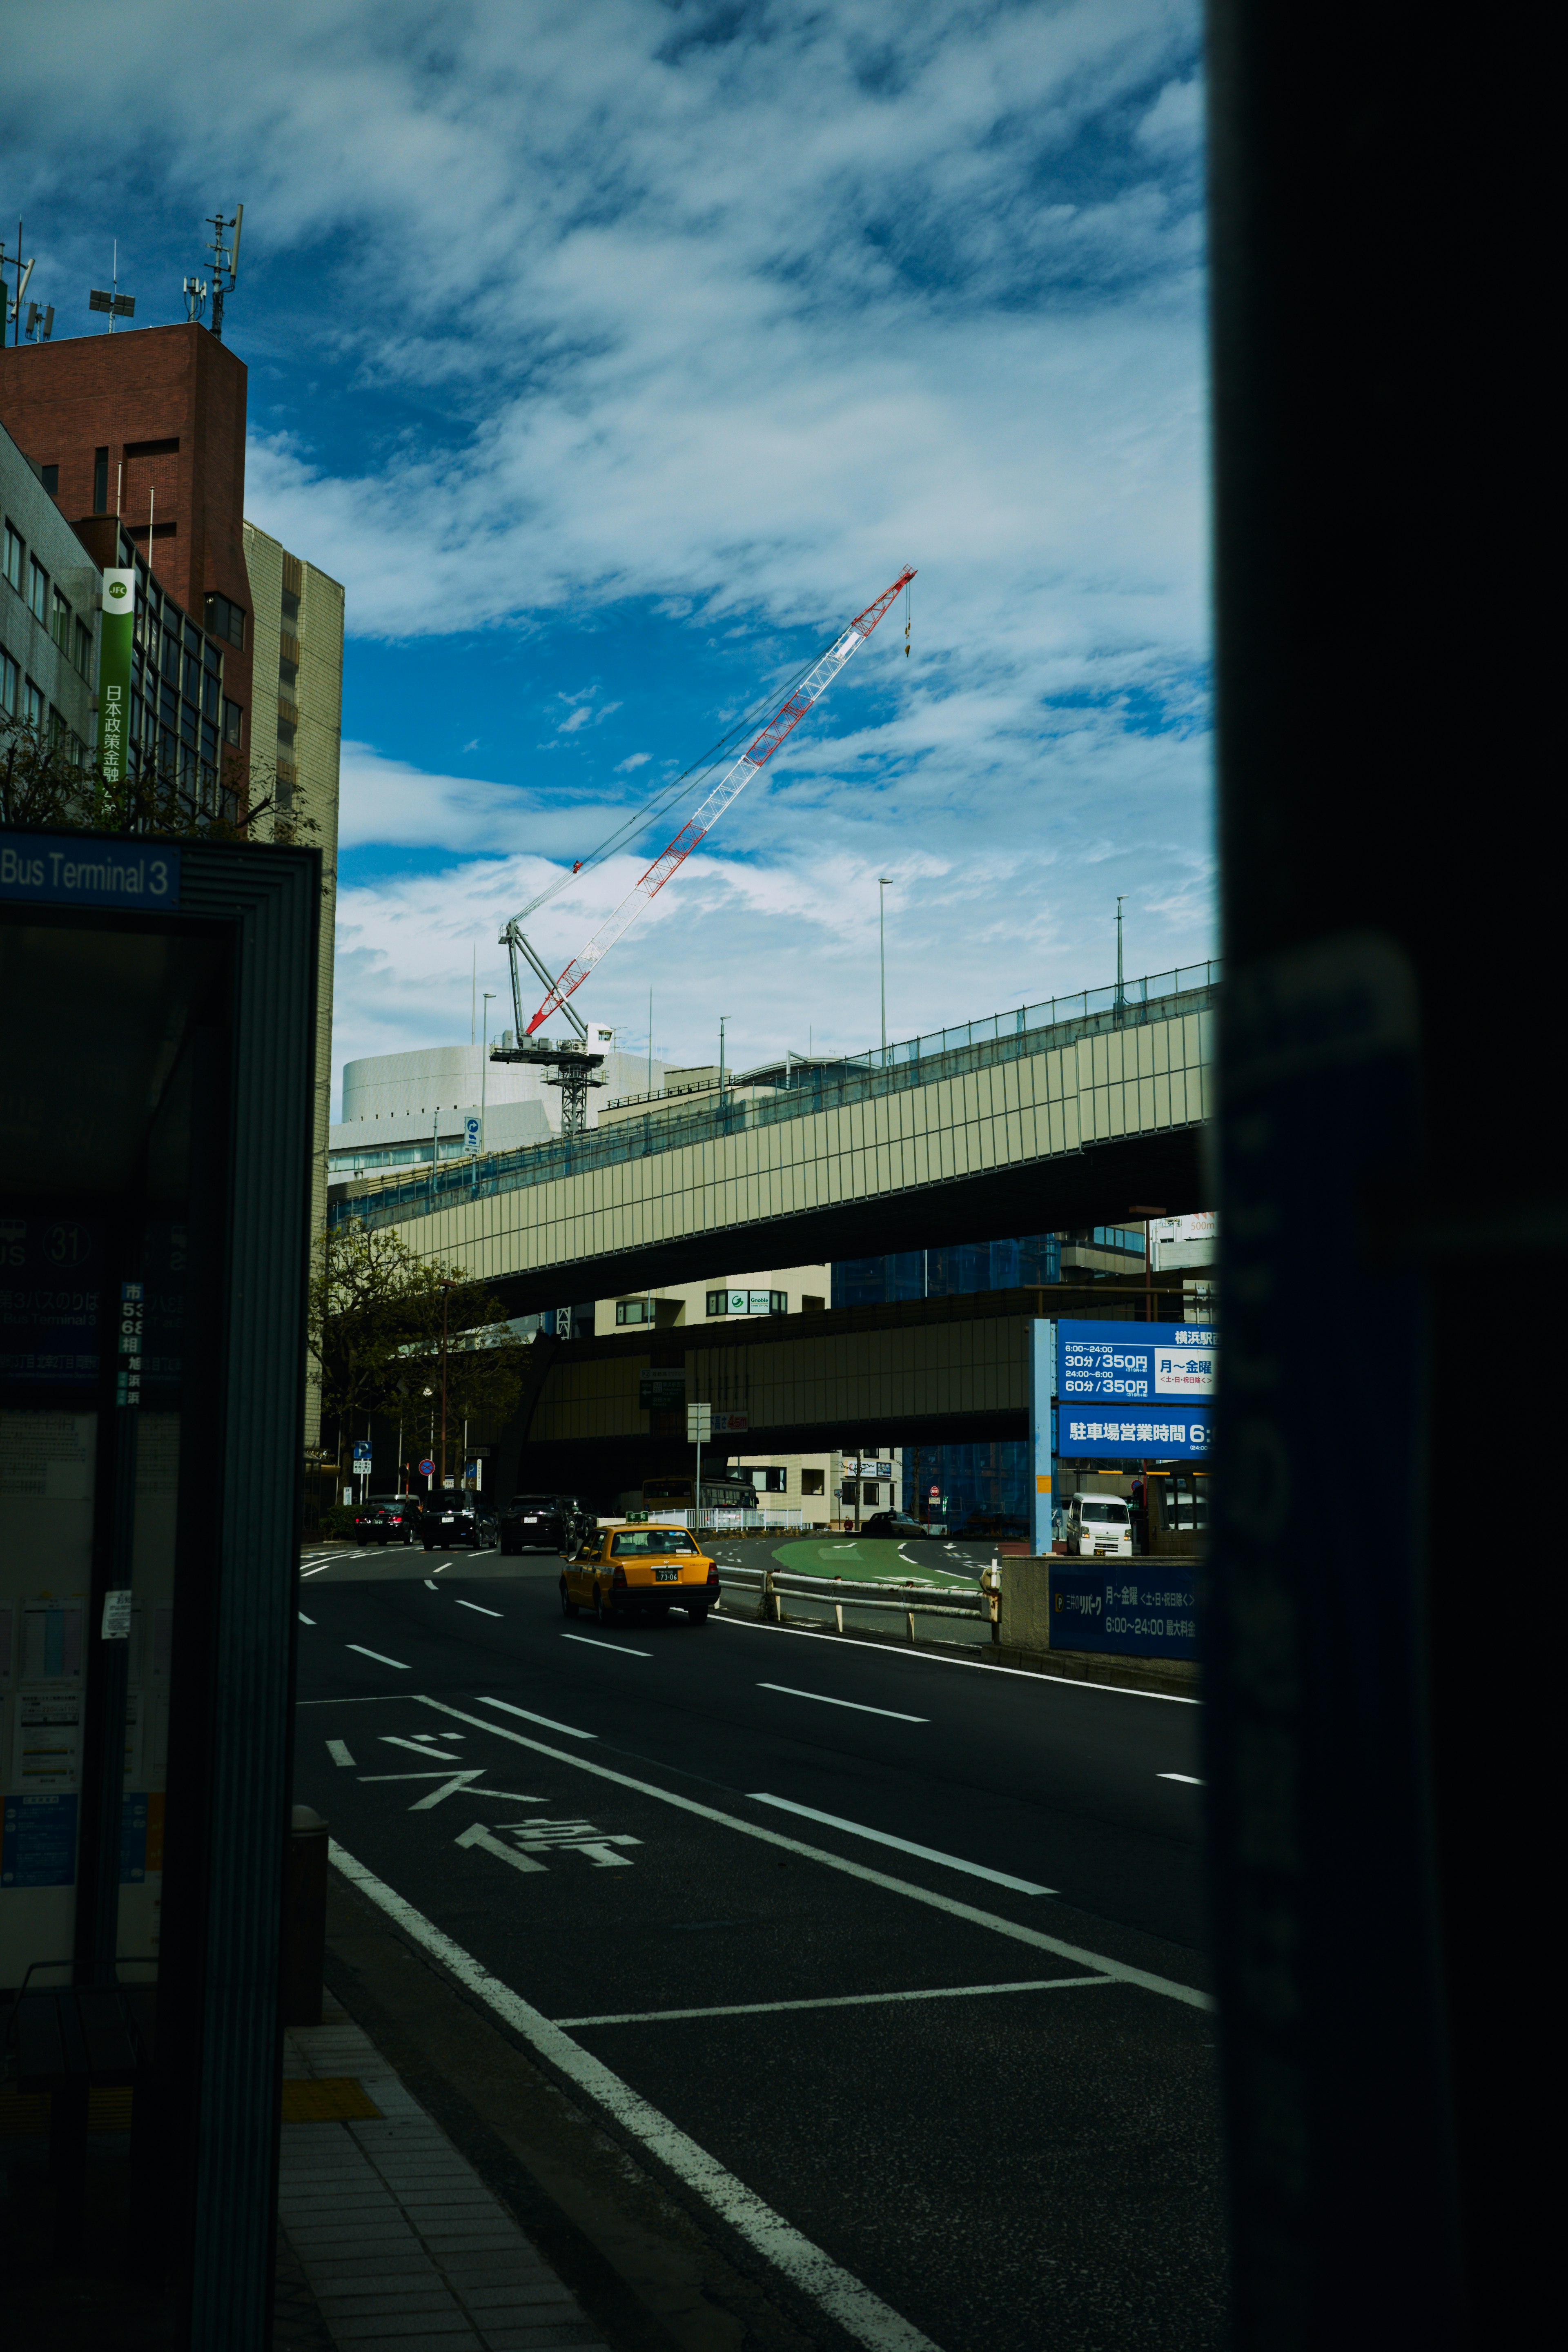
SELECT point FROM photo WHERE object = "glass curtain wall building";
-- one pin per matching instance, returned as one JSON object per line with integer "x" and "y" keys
{"x": 982, "y": 1487}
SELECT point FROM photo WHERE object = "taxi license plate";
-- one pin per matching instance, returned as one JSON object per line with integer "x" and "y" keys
{"x": 667, "y": 1576}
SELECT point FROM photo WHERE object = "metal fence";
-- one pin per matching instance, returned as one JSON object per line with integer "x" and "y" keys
{"x": 775, "y": 1586}
{"x": 917, "y": 1060}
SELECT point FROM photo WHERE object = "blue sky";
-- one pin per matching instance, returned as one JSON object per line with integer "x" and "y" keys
{"x": 614, "y": 355}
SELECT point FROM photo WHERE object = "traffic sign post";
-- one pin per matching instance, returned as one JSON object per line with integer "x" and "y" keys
{"x": 698, "y": 1425}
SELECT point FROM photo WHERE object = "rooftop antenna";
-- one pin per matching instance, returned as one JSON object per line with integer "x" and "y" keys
{"x": 194, "y": 290}
{"x": 9, "y": 310}
{"x": 225, "y": 261}
{"x": 118, "y": 305}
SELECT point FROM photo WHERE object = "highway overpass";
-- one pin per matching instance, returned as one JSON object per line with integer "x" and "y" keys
{"x": 1084, "y": 1110}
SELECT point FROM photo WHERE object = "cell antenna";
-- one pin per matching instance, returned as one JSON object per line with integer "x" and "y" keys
{"x": 225, "y": 251}
{"x": 111, "y": 298}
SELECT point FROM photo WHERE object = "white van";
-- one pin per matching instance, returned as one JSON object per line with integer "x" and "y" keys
{"x": 1096, "y": 1526}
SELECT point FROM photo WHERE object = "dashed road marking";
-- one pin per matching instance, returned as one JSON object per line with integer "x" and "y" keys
{"x": 339, "y": 1754}
{"x": 590, "y": 1641}
{"x": 479, "y": 1607}
{"x": 380, "y": 1657}
{"x": 822, "y": 1700}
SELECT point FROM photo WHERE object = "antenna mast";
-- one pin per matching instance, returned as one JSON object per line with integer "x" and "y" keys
{"x": 225, "y": 262}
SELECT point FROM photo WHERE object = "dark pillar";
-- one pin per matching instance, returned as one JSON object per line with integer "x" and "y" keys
{"x": 1383, "y": 772}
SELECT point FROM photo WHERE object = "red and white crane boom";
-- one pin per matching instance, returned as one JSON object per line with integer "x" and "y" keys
{"x": 733, "y": 782}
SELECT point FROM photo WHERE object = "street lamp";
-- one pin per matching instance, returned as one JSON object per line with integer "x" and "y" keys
{"x": 485, "y": 1066}
{"x": 884, "y": 884}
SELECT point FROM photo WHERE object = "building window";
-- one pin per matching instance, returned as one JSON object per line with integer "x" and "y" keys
{"x": 770, "y": 1480}
{"x": 226, "y": 620}
{"x": 231, "y": 722}
{"x": 748, "y": 1302}
{"x": 636, "y": 1310}
{"x": 38, "y": 591}
{"x": 100, "y": 481}
{"x": 32, "y": 705}
{"x": 61, "y": 622}
{"x": 809, "y": 1306}
{"x": 9, "y": 677}
{"x": 13, "y": 559}
{"x": 810, "y": 1482}
{"x": 50, "y": 477}
{"x": 82, "y": 655}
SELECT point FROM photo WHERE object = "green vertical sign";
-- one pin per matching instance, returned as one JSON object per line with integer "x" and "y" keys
{"x": 115, "y": 672}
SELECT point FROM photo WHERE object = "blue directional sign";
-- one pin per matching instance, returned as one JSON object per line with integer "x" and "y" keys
{"x": 77, "y": 870}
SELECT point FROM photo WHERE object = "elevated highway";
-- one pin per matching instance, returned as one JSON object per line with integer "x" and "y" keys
{"x": 1079, "y": 1111}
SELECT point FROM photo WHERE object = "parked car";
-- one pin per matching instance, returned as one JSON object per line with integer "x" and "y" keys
{"x": 456, "y": 1517}
{"x": 540, "y": 1523}
{"x": 1096, "y": 1527}
{"x": 644, "y": 1569}
{"x": 895, "y": 1524}
{"x": 387, "y": 1518}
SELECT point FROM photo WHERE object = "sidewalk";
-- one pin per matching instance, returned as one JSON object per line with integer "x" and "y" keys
{"x": 400, "y": 2244}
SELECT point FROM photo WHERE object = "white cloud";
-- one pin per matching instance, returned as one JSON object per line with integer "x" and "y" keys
{"x": 734, "y": 312}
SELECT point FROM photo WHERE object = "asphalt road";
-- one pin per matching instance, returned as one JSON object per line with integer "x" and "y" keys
{"x": 829, "y": 1910}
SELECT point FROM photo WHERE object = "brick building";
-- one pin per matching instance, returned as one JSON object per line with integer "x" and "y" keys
{"x": 150, "y": 424}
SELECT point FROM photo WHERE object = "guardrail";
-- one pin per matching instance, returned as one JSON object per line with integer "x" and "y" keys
{"x": 907, "y": 1600}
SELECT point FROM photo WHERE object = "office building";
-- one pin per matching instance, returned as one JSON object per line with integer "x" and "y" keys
{"x": 50, "y": 592}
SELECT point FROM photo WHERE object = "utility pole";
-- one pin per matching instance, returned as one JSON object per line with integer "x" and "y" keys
{"x": 884, "y": 883}
{"x": 1120, "y": 986}
{"x": 446, "y": 1302}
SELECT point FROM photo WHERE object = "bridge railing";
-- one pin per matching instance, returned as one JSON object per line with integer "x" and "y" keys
{"x": 917, "y": 1060}
{"x": 775, "y": 1586}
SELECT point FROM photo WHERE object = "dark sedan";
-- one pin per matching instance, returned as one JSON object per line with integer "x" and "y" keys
{"x": 387, "y": 1518}
{"x": 456, "y": 1517}
{"x": 540, "y": 1523}
{"x": 895, "y": 1524}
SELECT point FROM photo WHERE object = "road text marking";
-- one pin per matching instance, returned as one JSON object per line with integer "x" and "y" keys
{"x": 837, "y": 2001}
{"x": 1167, "y": 1985}
{"x": 904, "y": 1845}
{"x": 380, "y": 1658}
{"x": 339, "y": 1754}
{"x": 823, "y": 1700}
{"x": 528, "y": 1716}
{"x": 481, "y": 1835}
{"x": 592, "y": 1642}
{"x": 864, "y": 2316}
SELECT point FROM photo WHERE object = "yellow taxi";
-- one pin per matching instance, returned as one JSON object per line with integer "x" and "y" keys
{"x": 648, "y": 1569}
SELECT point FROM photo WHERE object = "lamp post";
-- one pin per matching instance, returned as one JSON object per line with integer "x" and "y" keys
{"x": 884, "y": 883}
{"x": 485, "y": 1067}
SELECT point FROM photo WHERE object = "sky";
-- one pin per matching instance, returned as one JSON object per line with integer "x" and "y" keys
{"x": 615, "y": 355}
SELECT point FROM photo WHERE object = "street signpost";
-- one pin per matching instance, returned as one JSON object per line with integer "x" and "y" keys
{"x": 698, "y": 1425}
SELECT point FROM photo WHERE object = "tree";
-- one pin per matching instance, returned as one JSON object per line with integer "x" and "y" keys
{"x": 45, "y": 780}
{"x": 389, "y": 1330}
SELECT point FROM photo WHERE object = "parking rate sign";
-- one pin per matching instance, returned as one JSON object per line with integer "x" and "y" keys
{"x": 1136, "y": 1389}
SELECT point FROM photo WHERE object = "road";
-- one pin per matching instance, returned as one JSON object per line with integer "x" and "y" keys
{"x": 901, "y": 1954}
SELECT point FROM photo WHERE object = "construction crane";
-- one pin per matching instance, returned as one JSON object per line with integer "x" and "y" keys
{"x": 574, "y": 1062}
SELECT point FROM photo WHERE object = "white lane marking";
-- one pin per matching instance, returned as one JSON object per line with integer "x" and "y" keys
{"x": 1190, "y": 1778}
{"x": 971, "y": 1666}
{"x": 380, "y": 1659}
{"x": 592, "y": 1642}
{"x": 365, "y": 1698}
{"x": 431, "y": 1582}
{"x": 426, "y": 1746}
{"x": 527, "y": 1717}
{"x": 339, "y": 1754}
{"x": 904, "y": 1845}
{"x": 822, "y": 1700}
{"x": 317, "y": 1571}
{"x": 863, "y": 2316}
{"x": 1012, "y": 1928}
{"x": 479, "y": 1835}
{"x": 837, "y": 2000}
{"x": 303, "y": 1619}
{"x": 479, "y": 1606}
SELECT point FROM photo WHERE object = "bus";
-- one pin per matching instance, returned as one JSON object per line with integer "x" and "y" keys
{"x": 672, "y": 1491}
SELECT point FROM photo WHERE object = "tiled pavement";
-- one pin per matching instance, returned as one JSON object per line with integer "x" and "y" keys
{"x": 402, "y": 2243}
